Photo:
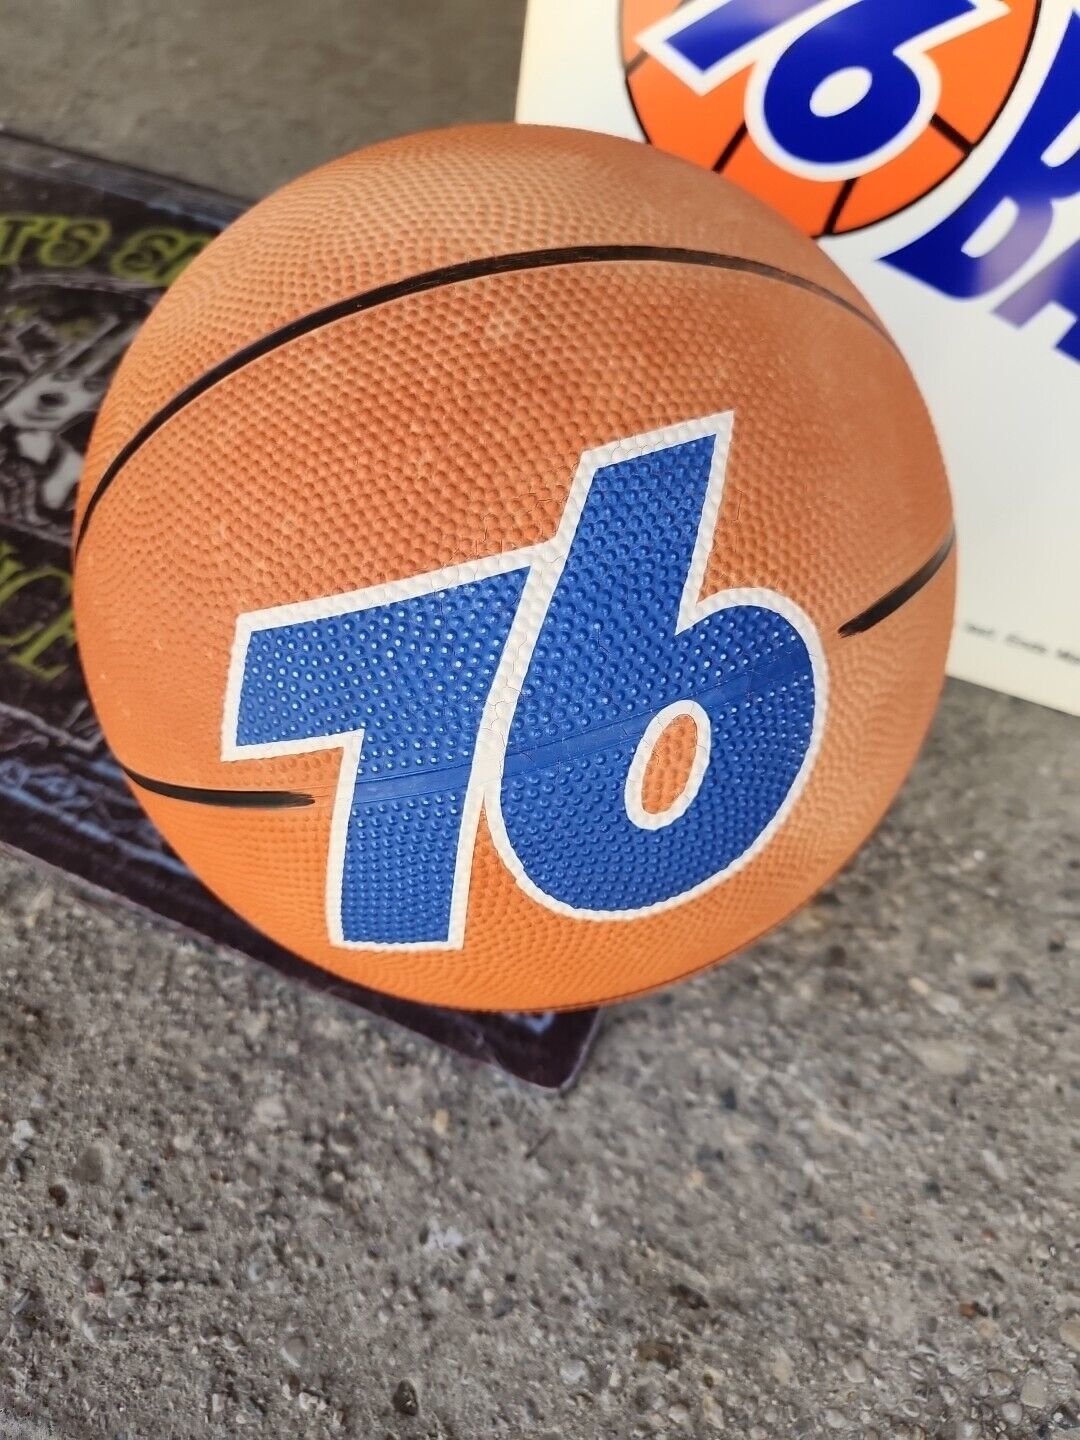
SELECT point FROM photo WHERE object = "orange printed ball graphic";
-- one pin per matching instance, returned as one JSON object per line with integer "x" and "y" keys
{"x": 970, "y": 66}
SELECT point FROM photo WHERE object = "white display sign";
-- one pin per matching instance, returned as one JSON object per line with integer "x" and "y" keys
{"x": 934, "y": 149}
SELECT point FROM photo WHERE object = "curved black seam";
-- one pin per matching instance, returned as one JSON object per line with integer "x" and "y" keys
{"x": 228, "y": 799}
{"x": 435, "y": 280}
{"x": 900, "y": 594}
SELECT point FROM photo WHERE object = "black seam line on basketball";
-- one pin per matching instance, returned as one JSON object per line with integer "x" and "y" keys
{"x": 435, "y": 280}
{"x": 950, "y": 132}
{"x": 227, "y": 799}
{"x": 894, "y": 599}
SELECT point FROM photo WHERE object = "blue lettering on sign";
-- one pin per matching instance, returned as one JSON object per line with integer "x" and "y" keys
{"x": 729, "y": 27}
{"x": 1022, "y": 189}
{"x": 833, "y": 92}
{"x": 535, "y": 684}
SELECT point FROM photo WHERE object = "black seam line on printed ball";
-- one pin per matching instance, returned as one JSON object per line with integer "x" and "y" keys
{"x": 843, "y": 195}
{"x": 435, "y": 280}
{"x": 955, "y": 138}
{"x": 895, "y": 598}
{"x": 724, "y": 159}
{"x": 228, "y": 799}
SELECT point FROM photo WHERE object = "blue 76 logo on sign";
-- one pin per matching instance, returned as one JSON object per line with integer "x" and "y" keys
{"x": 533, "y": 686}
{"x": 837, "y": 87}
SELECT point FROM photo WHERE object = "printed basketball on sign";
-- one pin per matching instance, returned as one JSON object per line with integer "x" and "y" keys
{"x": 839, "y": 115}
{"x": 513, "y": 568}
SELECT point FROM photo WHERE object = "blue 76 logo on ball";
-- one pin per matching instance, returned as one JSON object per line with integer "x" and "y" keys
{"x": 836, "y": 87}
{"x": 533, "y": 686}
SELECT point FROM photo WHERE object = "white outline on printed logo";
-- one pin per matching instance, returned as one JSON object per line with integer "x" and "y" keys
{"x": 633, "y": 790}
{"x": 545, "y": 563}
{"x": 763, "y": 53}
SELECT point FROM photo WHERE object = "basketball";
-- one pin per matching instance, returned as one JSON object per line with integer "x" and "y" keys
{"x": 513, "y": 568}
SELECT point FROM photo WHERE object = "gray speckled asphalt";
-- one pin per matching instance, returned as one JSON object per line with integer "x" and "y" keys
{"x": 827, "y": 1189}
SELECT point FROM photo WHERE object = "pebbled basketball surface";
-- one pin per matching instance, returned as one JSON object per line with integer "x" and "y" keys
{"x": 392, "y": 369}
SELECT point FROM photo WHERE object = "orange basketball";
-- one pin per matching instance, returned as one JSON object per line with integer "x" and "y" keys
{"x": 513, "y": 568}
{"x": 973, "y": 66}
